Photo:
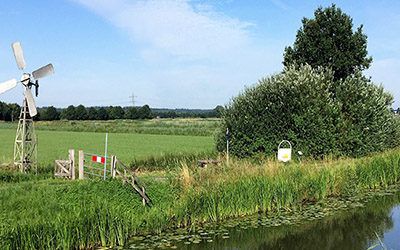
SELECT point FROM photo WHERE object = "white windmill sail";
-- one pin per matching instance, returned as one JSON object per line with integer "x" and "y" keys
{"x": 31, "y": 102}
{"x": 19, "y": 55}
{"x": 5, "y": 86}
{"x": 43, "y": 71}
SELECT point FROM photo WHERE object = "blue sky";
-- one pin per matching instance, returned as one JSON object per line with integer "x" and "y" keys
{"x": 175, "y": 54}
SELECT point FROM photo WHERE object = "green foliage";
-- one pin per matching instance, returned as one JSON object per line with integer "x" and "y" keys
{"x": 319, "y": 115}
{"x": 49, "y": 114}
{"x": 131, "y": 113}
{"x": 115, "y": 112}
{"x": 102, "y": 114}
{"x": 92, "y": 113}
{"x": 69, "y": 113}
{"x": 144, "y": 112}
{"x": 81, "y": 113}
{"x": 328, "y": 40}
{"x": 9, "y": 112}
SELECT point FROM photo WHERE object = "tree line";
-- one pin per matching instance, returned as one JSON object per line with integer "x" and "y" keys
{"x": 10, "y": 112}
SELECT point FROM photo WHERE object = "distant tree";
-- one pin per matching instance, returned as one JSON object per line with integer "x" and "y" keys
{"x": 69, "y": 113}
{"x": 92, "y": 113}
{"x": 4, "y": 110}
{"x": 102, "y": 114}
{"x": 218, "y": 111}
{"x": 49, "y": 114}
{"x": 145, "y": 112}
{"x": 132, "y": 113}
{"x": 328, "y": 40}
{"x": 81, "y": 113}
{"x": 116, "y": 112}
{"x": 171, "y": 114}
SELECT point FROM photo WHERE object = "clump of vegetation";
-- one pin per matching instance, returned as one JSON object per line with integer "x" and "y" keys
{"x": 170, "y": 161}
{"x": 321, "y": 101}
{"x": 319, "y": 115}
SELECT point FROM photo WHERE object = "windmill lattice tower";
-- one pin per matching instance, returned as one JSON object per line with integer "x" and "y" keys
{"x": 25, "y": 146}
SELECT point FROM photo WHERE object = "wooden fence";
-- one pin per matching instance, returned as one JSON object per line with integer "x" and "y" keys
{"x": 105, "y": 168}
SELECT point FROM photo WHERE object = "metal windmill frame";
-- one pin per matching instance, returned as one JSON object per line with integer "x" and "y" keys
{"x": 25, "y": 146}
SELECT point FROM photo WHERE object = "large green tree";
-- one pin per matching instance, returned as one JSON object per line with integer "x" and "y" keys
{"x": 328, "y": 40}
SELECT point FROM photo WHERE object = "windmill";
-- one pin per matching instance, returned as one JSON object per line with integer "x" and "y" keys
{"x": 25, "y": 147}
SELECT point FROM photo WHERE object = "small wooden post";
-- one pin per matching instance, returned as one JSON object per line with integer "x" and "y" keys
{"x": 72, "y": 163}
{"x": 144, "y": 195}
{"x": 113, "y": 166}
{"x": 227, "y": 146}
{"x": 81, "y": 162}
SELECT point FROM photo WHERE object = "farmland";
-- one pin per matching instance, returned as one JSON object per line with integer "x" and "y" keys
{"x": 156, "y": 138}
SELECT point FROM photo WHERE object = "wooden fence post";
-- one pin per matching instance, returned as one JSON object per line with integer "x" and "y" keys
{"x": 144, "y": 194}
{"x": 81, "y": 163}
{"x": 113, "y": 165}
{"x": 72, "y": 161}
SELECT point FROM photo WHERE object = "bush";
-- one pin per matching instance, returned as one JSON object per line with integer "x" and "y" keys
{"x": 319, "y": 115}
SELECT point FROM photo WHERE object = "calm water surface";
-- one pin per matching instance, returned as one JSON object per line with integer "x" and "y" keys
{"x": 374, "y": 225}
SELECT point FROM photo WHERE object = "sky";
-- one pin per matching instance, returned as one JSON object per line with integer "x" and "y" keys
{"x": 172, "y": 54}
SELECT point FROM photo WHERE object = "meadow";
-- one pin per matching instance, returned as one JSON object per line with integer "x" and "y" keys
{"x": 161, "y": 140}
{"x": 55, "y": 144}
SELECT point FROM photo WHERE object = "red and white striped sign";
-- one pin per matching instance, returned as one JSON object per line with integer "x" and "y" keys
{"x": 98, "y": 159}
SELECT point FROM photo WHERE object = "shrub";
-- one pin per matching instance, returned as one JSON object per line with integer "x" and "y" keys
{"x": 319, "y": 115}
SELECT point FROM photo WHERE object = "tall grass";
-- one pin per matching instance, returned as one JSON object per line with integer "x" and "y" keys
{"x": 81, "y": 214}
{"x": 171, "y": 161}
{"x": 243, "y": 188}
{"x": 179, "y": 126}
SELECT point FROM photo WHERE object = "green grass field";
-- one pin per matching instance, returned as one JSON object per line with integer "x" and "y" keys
{"x": 127, "y": 147}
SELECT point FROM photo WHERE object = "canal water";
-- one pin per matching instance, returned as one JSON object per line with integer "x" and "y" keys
{"x": 372, "y": 223}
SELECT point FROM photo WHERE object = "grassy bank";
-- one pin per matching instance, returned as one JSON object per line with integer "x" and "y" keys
{"x": 63, "y": 214}
{"x": 178, "y": 126}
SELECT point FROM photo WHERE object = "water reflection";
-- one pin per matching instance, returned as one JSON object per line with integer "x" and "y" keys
{"x": 336, "y": 226}
{"x": 351, "y": 229}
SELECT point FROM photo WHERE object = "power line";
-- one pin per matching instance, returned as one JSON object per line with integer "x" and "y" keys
{"x": 132, "y": 99}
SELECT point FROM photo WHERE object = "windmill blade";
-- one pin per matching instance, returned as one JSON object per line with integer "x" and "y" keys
{"x": 19, "y": 55}
{"x": 5, "y": 86}
{"x": 31, "y": 102}
{"x": 43, "y": 71}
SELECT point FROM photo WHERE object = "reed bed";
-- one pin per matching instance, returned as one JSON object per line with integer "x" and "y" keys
{"x": 60, "y": 214}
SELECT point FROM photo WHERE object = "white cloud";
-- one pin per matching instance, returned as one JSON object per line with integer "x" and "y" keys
{"x": 194, "y": 56}
{"x": 177, "y": 28}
